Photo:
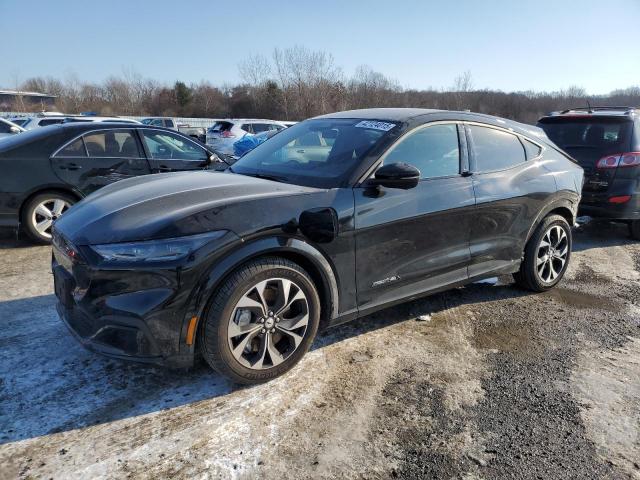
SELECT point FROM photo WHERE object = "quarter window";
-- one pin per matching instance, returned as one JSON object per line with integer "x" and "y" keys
{"x": 532, "y": 149}
{"x": 74, "y": 149}
{"x": 165, "y": 146}
{"x": 433, "y": 150}
{"x": 494, "y": 149}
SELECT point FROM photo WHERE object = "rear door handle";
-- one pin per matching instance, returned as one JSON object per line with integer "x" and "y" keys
{"x": 73, "y": 166}
{"x": 164, "y": 168}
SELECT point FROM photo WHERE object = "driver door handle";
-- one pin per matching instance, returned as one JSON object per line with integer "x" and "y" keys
{"x": 164, "y": 168}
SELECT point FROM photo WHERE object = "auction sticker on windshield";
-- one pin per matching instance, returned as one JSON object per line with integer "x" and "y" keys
{"x": 384, "y": 126}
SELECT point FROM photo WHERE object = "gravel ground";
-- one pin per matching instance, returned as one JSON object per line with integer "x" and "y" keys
{"x": 485, "y": 381}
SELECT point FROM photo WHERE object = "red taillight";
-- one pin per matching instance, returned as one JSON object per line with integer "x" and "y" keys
{"x": 620, "y": 199}
{"x": 228, "y": 134}
{"x": 630, "y": 159}
{"x": 610, "y": 161}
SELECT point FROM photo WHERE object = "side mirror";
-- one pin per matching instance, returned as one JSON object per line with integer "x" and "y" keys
{"x": 396, "y": 175}
{"x": 14, "y": 130}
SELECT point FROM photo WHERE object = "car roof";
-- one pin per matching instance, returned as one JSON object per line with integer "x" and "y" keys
{"x": 604, "y": 111}
{"x": 247, "y": 120}
{"x": 408, "y": 114}
{"x": 397, "y": 114}
{"x": 105, "y": 125}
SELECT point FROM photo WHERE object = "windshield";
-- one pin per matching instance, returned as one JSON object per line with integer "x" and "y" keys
{"x": 316, "y": 153}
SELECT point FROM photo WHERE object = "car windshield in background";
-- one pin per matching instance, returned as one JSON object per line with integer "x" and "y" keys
{"x": 598, "y": 135}
{"x": 315, "y": 153}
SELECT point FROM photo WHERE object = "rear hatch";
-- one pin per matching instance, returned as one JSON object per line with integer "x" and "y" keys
{"x": 590, "y": 139}
{"x": 219, "y": 130}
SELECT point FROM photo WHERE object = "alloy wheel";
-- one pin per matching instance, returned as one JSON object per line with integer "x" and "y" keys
{"x": 268, "y": 323}
{"x": 552, "y": 254}
{"x": 46, "y": 212}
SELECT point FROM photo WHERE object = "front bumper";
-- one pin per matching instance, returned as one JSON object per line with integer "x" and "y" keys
{"x": 117, "y": 340}
{"x": 123, "y": 332}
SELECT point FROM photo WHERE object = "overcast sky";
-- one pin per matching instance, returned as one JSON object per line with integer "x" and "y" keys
{"x": 507, "y": 45}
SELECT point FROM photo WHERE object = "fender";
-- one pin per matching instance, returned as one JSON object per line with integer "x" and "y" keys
{"x": 247, "y": 251}
{"x": 563, "y": 199}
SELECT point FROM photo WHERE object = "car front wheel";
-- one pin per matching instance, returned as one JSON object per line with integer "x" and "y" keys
{"x": 546, "y": 256}
{"x": 261, "y": 322}
{"x": 41, "y": 211}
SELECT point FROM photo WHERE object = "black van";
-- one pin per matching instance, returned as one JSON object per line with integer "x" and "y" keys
{"x": 606, "y": 143}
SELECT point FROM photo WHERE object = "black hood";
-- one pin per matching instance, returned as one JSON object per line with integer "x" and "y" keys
{"x": 171, "y": 205}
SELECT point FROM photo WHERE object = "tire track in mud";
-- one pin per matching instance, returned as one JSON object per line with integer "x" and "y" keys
{"x": 390, "y": 396}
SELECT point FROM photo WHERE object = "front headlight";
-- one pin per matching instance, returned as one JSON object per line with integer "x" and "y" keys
{"x": 161, "y": 250}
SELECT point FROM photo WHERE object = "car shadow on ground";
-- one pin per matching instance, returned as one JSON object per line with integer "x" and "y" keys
{"x": 50, "y": 384}
{"x": 601, "y": 233}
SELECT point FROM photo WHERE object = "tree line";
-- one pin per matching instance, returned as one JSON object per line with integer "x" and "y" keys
{"x": 298, "y": 83}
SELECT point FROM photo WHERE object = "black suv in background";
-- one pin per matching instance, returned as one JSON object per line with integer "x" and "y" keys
{"x": 606, "y": 143}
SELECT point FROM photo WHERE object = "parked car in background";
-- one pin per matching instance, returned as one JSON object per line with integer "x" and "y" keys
{"x": 250, "y": 141}
{"x": 96, "y": 119}
{"x": 167, "y": 122}
{"x": 45, "y": 171}
{"x": 224, "y": 133}
{"x": 606, "y": 143}
{"x": 8, "y": 129}
{"x": 198, "y": 133}
{"x": 29, "y": 123}
{"x": 244, "y": 267}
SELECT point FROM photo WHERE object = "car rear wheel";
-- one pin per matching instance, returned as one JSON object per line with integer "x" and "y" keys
{"x": 261, "y": 322}
{"x": 41, "y": 211}
{"x": 546, "y": 256}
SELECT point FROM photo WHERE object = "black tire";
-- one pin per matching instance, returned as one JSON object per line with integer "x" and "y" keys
{"x": 28, "y": 218}
{"x": 213, "y": 336}
{"x": 528, "y": 277}
{"x": 634, "y": 229}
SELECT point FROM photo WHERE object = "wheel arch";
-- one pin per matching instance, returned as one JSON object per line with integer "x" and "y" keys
{"x": 294, "y": 249}
{"x": 563, "y": 206}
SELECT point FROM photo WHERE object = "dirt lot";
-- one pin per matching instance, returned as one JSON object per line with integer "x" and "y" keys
{"x": 494, "y": 382}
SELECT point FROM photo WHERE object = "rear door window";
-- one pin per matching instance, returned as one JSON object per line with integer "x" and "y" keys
{"x": 261, "y": 127}
{"x": 112, "y": 143}
{"x": 495, "y": 149}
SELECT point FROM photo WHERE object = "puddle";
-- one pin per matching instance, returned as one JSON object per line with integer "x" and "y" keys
{"x": 500, "y": 281}
{"x": 580, "y": 300}
{"x": 512, "y": 338}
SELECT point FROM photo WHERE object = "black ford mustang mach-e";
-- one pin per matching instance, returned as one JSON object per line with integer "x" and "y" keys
{"x": 329, "y": 220}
